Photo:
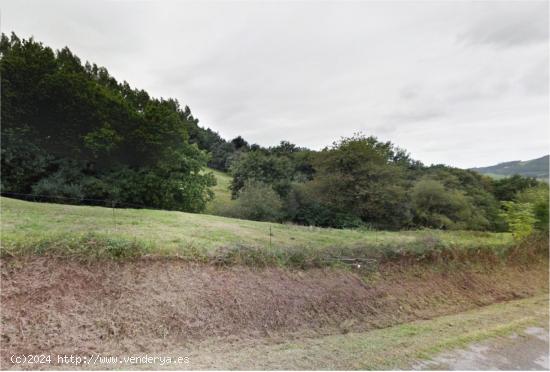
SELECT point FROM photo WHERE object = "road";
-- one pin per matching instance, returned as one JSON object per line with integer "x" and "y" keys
{"x": 527, "y": 350}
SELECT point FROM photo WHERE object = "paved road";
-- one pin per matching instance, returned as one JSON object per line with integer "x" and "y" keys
{"x": 525, "y": 351}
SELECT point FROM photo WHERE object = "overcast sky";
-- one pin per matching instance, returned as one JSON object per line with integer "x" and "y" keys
{"x": 461, "y": 83}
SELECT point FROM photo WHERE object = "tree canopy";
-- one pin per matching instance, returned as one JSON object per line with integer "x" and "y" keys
{"x": 71, "y": 129}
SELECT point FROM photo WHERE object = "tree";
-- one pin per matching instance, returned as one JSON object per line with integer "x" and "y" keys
{"x": 362, "y": 177}
{"x": 264, "y": 168}
{"x": 520, "y": 218}
{"x": 72, "y": 130}
{"x": 239, "y": 143}
{"x": 538, "y": 197}
{"x": 438, "y": 207}
{"x": 507, "y": 188}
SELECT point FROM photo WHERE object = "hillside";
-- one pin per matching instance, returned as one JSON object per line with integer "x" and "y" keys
{"x": 83, "y": 230}
{"x": 132, "y": 282}
{"x": 537, "y": 168}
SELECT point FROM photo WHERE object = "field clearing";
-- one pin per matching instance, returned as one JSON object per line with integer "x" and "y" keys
{"x": 222, "y": 194}
{"x": 28, "y": 225}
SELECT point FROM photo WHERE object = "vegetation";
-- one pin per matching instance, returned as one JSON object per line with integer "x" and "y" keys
{"x": 392, "y": 348}
{"x": 221, "y": 201}
{"x": 360, "y": 181}
{"x": 92, "y": 232}
{"x": 257, "y": 201}
{"x": 71, "y": 133}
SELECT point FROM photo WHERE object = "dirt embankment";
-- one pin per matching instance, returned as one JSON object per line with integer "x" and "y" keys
{"x": 63, "y": 307}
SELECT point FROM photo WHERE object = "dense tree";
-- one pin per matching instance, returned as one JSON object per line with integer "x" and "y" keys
{"x": 72, "y": 130}
{"x": 507, "y": 188}
{"x": 436, "y": 206}
{"x": 364, "y": 177}
{"x": 258, "y": 166}
{"x": 476, "y": 189}
{"x": 537, "y": 197}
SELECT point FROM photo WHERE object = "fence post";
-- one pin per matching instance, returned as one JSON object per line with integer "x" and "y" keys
{"x": 114, "y": 217}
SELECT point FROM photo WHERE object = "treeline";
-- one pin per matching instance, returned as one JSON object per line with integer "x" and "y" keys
{"x": 360, "y": 181}
{"x": 70, "y": 129}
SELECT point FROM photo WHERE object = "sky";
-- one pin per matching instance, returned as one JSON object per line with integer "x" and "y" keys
{"x": 458, "y": 83}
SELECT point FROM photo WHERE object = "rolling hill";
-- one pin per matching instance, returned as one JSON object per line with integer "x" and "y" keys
{"x": 537, "y": 168}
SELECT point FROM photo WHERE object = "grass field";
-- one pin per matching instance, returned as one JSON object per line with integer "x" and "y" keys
{"x": 222, "y": 198}
{"x": 47, "y": 228}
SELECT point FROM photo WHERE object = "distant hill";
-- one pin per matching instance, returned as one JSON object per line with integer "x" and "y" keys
{"x": 537, "y": 168}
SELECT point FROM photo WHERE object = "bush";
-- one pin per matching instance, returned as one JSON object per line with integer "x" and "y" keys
{"x": 257, "y": 201}
{"x": 65, "y": 182}
{"x": 520, "y": 218}
{"x": 259, "y": 167}
{"x": 303, "y": 207}
{"x": 436, "y": 206}
{"x": 538, "y": 197}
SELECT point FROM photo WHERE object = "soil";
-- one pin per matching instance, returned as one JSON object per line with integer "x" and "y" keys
{"x": 144, "y": 306}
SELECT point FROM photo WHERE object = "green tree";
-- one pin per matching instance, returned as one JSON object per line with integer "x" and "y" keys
{"x": 363, "y": 177}
{"x": 520, "y": 218}
{"x": 260, "y": 167}
{"x": 538, "y": 197}
{"x": 507, "y": 188}
{"x": 72, "y": 130}
{"x": 436, "y": 206}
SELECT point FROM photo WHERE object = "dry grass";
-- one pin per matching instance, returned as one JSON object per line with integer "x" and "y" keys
{"x": 397, "y": 347}
{"x": 150, "y": 305}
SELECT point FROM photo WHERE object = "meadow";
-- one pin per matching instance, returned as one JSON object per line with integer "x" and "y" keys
{"x": 222, "y": 194}
{"x": 80, "y": 231}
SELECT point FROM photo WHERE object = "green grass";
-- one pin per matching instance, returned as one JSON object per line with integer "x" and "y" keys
{"x": 42, "y": 228}
{"x": 222, "y": 194}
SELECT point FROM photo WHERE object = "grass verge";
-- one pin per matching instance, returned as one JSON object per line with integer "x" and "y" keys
{"x": 390, "y": 348}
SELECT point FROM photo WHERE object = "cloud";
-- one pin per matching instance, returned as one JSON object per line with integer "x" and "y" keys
{"x": 445, "y": 80}
{"x": 509, "y": 24}
{"x": 535, "y": 79}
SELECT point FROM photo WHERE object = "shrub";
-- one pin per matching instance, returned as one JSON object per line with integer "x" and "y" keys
{"x": 437, "y": 206}
{"x": 257, "y": 201}
{"x": 538, "y": 197}
{"x": 303, "y": 207}
{"x": 520, "y": 218}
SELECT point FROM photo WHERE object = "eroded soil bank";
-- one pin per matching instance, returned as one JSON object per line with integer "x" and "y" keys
{"x": 144, "y": 306}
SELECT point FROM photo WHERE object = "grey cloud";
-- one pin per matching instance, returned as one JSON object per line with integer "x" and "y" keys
{"x": 535, "y": 80}
{"x": 417, "y": 115}
{"x": 509, "y": 24}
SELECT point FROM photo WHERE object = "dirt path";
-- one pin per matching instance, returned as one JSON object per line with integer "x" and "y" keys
{"x": 527, "y": 350}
